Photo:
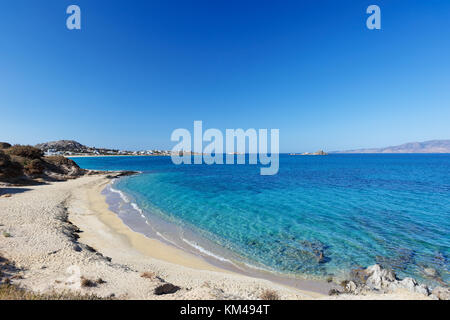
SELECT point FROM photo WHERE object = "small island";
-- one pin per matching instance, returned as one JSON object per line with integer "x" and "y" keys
{"x": 318, "y": 153}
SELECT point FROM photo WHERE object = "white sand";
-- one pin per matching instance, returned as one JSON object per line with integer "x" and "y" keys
{"x": 42, "y": 245}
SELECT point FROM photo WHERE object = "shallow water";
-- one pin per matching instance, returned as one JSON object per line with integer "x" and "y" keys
{"x": 318, "y": 216}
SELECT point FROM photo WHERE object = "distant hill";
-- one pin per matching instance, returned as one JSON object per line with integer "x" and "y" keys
{"x": 62, "y": 145}
{"x": 433, "y": 146}
{"x": 72, "y": 148}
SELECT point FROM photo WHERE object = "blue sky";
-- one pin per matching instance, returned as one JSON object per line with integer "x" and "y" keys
{"x": 140, "y": 69}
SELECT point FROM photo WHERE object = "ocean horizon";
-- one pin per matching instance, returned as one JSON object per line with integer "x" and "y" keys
{"x": 319, "y": 217}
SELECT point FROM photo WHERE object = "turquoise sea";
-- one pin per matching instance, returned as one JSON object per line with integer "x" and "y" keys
{"x": 319, "y": 216}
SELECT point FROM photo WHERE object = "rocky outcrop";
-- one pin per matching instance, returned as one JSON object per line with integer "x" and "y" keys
{"x": 27, "y": 165}
{"x": 377, "y": 279}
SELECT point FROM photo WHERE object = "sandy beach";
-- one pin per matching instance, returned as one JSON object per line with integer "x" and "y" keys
{"x": 42, "y": 221}
{"x": 63, "y": 232}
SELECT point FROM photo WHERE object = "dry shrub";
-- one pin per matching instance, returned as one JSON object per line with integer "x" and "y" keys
{"x": 9, "y": 168}
{"x": 269, "y": 295}
{"x": 25, "y": 151}
{"x": 4, "y": 159}
{"x": 148, "y": 275}
{"x": 4, "y": 145}
{"x": 166, "y": 288}
{"x": 87, "y": 283}
{"x": 61, "y": 161}
{"x": 13, "y": 292}
{"x": 34, "y": 167}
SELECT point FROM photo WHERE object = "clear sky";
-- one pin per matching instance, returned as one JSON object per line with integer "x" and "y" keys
{"x": 137, "y": 70}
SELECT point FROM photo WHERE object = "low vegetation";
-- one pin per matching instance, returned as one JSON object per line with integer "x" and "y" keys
{"x": 26, "y": 164}
{"x": 14, "y": 292}
{"x": 148, "y": 275}
{"x": 28, "y": 152}
{"x": 269, "y": 295}
{"x": 166, "y": 288}
{"x": 10, "y": 291}
{"x": 87, "y": 283}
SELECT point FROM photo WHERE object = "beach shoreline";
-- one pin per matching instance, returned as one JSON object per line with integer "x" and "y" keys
{"x": 64, "y": 232}
{"x": 108, "y": 249}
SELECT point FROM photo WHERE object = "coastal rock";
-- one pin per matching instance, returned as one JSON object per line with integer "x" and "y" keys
{"x": 375, "y": 278}
{"x": 350, "y": 286}
{"x": 422, "y": 289}
{"x": 359, "y": 276}
{"x": 441, "y": 293}
{"x": 379, "y": 278}
{"x": 408, "y": 283}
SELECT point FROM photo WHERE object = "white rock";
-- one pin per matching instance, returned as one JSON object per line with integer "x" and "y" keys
{"x": 350, "y": 287}
{"x": 379, "y": 278}
{"x": 408, "y": 283}
{"x": 422, "y": 289}
{"x": 441, "y": 293}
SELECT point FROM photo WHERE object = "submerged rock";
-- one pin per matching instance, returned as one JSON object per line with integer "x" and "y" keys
{"x": 400, "y": 260}
{"x": 430, "y": 272}
{"x": 315, "y": 248}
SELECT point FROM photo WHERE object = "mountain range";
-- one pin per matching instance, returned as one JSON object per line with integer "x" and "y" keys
{"x": 432, "y": 146}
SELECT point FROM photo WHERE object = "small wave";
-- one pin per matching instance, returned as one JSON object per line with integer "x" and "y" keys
{"x": 122, "y": 195}
{"x": 209, "y": 253}
{"x": 251, "y": 266}
{"x": 136, "y": 207}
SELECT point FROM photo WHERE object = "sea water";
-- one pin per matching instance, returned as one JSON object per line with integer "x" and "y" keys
{"x": 319, "y": 216}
